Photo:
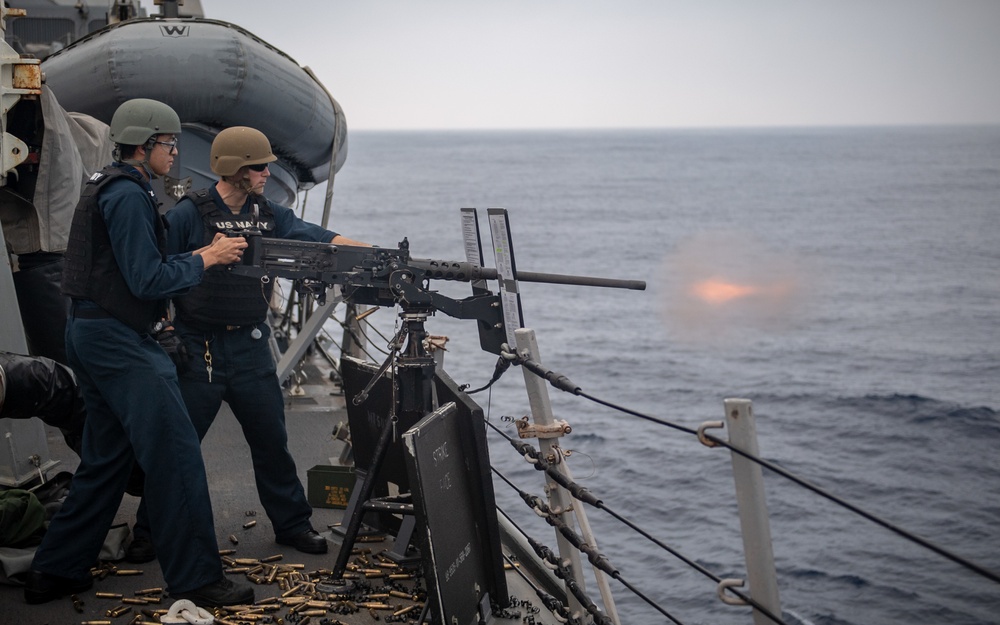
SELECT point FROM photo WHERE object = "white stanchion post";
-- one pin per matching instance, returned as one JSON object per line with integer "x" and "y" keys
{"x": 754, "y": 521}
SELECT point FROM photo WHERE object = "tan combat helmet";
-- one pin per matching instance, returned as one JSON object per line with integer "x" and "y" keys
{"x": 239, "y": 146}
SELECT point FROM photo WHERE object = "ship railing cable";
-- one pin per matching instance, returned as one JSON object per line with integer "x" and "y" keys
{"x": 563, "y": 383}
{"x": 551, "y": 560}
{"x": 586, "y": 496}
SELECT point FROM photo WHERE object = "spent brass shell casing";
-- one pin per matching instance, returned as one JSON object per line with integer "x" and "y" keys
{"x": 226, "y": 552}
{"x": 405, "y": 610}
{"x": 322, "y": 605}
{"x": 253, "y": 610}
{"x": 233, "y": 539}
{"x": 273, "y": 558}
{"x": 246, "y": 561}
{"x": 149, "y": 591}
{"x": 108, "y": 595}
{"x": 96, "y": 623}
{"x": 128, "y": 572}
{"x": 134, "y": 601}
{"x": 291, "y": 591}
{"x": 249, "y": 524}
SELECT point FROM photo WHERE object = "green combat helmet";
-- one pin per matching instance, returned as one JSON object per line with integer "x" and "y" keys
{"x": 137, "y": 120}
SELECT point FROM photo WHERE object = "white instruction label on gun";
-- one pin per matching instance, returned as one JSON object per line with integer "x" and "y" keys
{"x": 473, "y": 243}
{"x": 470, "y": 237}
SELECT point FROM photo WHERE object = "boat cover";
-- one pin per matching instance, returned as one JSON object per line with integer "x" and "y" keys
{"x": 74, "y": 146}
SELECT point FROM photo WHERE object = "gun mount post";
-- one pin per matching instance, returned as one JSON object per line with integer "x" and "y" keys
{"x": 413, "y": 371}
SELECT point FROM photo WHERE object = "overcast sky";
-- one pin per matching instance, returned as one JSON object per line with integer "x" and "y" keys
{"x": 436, "y": 64}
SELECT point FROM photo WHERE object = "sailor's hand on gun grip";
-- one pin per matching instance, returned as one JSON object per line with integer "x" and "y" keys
{"x": 175, "y": 348}
{"x": 223, "y": 250}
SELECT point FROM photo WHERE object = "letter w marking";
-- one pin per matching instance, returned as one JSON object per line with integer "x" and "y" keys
{"x": 174, "y": 31}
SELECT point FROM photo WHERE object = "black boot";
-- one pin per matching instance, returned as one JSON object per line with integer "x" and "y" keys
{"x": 308, "y": 541}
{"x": 217, "y": 594}
{"x": 41, "y": 587}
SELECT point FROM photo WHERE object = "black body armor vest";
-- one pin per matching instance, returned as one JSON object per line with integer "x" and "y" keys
{"x": 91, "y": 271}
{"x": 224, "y": 298}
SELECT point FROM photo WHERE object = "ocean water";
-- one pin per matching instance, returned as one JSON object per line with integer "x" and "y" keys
{"x": 847, "y": 281}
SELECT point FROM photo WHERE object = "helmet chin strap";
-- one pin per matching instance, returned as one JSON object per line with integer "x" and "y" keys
{"x": 144, "y": 163}
{"x": 241, "y": 184}
{"x": 245, "y": 185}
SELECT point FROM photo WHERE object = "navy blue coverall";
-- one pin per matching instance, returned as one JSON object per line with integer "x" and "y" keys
{"x": 135, "y": 413}
{"x": 244, "y": 376}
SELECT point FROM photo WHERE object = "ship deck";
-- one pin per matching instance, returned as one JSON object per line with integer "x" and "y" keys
{"x": 289, "y": 593}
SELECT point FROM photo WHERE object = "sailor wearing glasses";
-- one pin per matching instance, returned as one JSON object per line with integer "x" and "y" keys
{"x": 120, "y": 277}
{"x": 223, "y": 325}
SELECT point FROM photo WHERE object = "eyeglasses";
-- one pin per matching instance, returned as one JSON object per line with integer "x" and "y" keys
{"x": 170, "y": 145}
{"x": 258, "y": 167}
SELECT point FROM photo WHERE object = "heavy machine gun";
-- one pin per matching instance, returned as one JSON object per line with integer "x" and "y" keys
{"x": 381, "y": 276}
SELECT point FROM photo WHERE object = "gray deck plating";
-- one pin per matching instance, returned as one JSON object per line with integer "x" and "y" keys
{"x": 310, "y": 423}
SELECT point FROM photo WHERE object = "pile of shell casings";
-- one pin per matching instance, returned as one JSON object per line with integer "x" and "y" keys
{"x": 138, "y": 607}
{"x": 372, "y": 583}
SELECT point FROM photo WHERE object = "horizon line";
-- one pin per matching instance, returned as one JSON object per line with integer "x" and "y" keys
{"x": 859, "y": 126}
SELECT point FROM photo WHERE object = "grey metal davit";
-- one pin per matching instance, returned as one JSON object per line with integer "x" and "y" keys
{"x": 212, "y": 73}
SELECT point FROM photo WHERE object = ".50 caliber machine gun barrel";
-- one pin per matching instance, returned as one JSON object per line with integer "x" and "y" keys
{"x": 466, "y": 272}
